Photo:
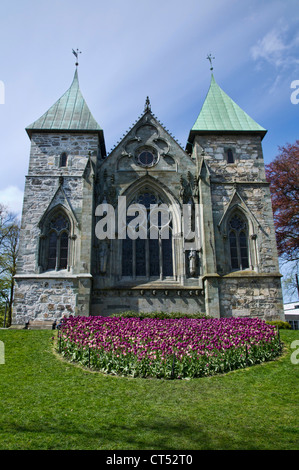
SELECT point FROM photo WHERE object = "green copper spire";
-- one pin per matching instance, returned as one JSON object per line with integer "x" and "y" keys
{"x": 69, "y": 113}
{"x": 220, "y": 113}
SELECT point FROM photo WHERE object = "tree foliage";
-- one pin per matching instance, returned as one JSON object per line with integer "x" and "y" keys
{"x": 9, "y": 240}
{"x": 283, "y": 176}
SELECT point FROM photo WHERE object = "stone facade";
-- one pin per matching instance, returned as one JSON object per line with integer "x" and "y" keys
{"x": 105, "y": 276}
{"x": 257, "y": 296}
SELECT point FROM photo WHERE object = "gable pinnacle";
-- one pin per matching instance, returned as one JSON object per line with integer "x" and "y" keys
{"x": 147, "y": 106}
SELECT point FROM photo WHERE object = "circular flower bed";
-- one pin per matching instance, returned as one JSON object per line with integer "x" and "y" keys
{"x": 168, "y": 348}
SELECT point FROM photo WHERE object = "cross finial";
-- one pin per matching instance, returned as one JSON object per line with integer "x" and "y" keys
{"x": 147, "y": 106}
{"x": 76, "y": 53}
{"x": 210, "y": 58}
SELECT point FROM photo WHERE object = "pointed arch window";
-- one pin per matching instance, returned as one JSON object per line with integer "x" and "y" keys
{"x": 238, "y": 242}
{"x": 58, "y": 242}
{"x": 150, "y": 257}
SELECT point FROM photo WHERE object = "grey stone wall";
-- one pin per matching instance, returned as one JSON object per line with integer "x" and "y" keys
{"x": 46, "y": 149}
{"x": 242, "y": 186}
{"x": 146, "y": 299}
{"x": 247, "y": 152}
{"x": 42, "y": 188}
{"x": 48, "y": 297}
{"x": 48, "y": 186}
{"x": 257, "y": 296}
{"x": 44, "y": 299}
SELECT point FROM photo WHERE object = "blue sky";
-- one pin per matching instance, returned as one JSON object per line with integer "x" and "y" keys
{"x": 134, "y": 48}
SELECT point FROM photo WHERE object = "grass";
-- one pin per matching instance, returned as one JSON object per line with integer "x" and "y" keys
{"x": 49, "y": 404}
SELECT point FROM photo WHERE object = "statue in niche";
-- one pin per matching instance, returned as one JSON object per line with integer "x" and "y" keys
{"x": 196, "y": 193}
{"x": 103, "y": 257}
{"x": 182, "y": 190}
{"x": 192, "y": 262}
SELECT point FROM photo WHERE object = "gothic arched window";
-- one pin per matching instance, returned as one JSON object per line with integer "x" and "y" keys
{"x": 238, "y": 242}
{"x": 58, "y": 242}
{"x": 150, "y": 256}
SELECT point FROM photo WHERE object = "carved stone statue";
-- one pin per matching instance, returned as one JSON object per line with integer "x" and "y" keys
{"x": 192, "y": 262}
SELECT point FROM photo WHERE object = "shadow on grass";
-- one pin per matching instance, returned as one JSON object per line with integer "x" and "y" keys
{"x": 159, "y": 434}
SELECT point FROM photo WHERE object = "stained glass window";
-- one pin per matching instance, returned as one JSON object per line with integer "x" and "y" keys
{"x": 167, "y": 257}
{"x": 64, "y": 241}
{"x": 140, "y": 257}
{"x": 59, "y": 223}
{"x": 150, "y": 257}
{"x": 146, "y": 158}
{"x": 146, "y": 199}
{"x": 52, "y": 250}
{"x": 243, "y": 250}
{"x": 154, "y": 260}
{"x": 127, "y": 257}
{"x": 58, "y": 242}
{"x": 238, "y": 241}
{"x": 233, "y": 250}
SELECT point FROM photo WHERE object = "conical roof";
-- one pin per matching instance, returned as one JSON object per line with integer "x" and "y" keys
{"x": 69, "y": 113}
{"x": 220, "y": 113}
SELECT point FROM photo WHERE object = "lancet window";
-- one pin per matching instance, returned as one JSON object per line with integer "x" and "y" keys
{"x": 238, "y": 241}
{"x": 54, "y": 248}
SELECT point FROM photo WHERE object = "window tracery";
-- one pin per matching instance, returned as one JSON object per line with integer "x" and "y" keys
{"x": 151, "y": 256}
{"x": 54, "y": 250}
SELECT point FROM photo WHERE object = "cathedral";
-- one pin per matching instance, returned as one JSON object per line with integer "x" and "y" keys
{"x": 94, "y": 237}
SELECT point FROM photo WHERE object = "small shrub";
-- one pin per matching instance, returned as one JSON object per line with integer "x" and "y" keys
{"x": 126, "y": 314}
{"x": 282, "y": 325}
{"x": 159, "y": 315}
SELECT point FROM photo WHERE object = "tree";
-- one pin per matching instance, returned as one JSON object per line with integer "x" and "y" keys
{"x": 9, "y": 240}
{"x": 283, "y": 176}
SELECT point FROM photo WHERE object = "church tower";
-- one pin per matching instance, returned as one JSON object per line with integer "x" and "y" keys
{"x": 241, "y": 263}
{"x": 53, "y": 271}
{"x": 216, "y": 253}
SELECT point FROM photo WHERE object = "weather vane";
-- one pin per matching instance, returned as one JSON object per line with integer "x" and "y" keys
{"x": 210, "y": 58}
{"x": 76, "y": 54}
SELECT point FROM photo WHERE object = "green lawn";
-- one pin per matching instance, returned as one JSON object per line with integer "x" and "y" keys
{"x": 46, "y": 403}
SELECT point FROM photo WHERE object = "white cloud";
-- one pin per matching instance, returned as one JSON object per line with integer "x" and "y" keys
{"x": 276, "y": 49}
{"x": 269, "y": 48}
{"x": 12, "y": 197}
